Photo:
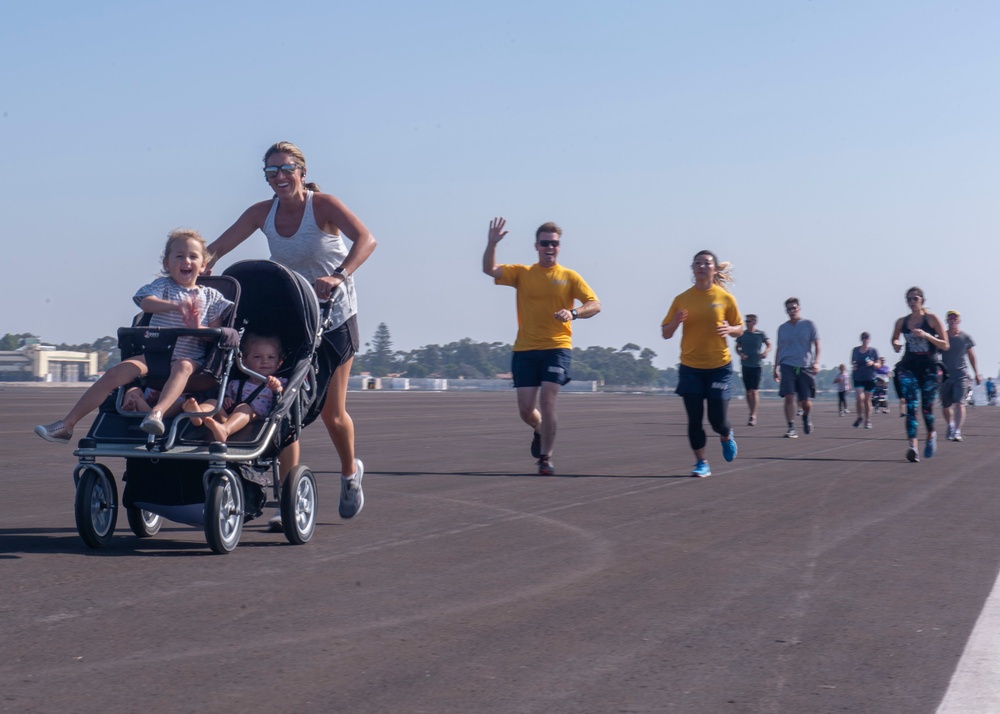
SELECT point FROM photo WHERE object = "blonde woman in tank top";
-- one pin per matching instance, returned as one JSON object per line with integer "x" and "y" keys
{"x": 306, "y": 231}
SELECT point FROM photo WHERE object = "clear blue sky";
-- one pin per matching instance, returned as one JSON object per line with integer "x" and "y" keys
{"x": 836, "y": 151}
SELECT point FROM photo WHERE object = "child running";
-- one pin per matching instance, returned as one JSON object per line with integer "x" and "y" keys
{"x": 246, "y": 400}
{"x": 175, "y": 300}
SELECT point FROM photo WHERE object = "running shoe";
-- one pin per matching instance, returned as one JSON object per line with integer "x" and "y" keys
{"x": 958, "y": 435}
{"x": 752, "y": 421}
{"x": 536, "y": 446}
{"x": 807, "y": 426}
{"x": 858, "y": 422}
{"x": 274, "y": 525}
{"x": 729, "y": 447}
{"x": 931, "y": 446}
{"x": 868, "y": 425}
{"x": 545, "y": 467}
{"x": 911, "y": 454}
{"x": 951, "y": 433}
{"x": 701, "y": 470}
{"x": 791, "y": 433}
{"x": 153, "y": 424}
{"x": 352, "y": 498}
{"x": 56, "y": 432}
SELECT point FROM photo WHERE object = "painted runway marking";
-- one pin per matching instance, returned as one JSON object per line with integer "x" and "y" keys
{"x": 975, "y": 685}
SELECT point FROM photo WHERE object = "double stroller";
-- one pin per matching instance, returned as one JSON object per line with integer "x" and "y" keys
{"x": 184, "y": 476}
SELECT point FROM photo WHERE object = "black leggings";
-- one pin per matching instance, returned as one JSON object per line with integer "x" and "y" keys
{"x": 717, "y": 417}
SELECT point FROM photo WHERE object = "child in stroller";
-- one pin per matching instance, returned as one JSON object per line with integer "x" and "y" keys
{"x": 879, "y": 401}
{"x": 175, "y": 300}
{"x": 246, "y": 400}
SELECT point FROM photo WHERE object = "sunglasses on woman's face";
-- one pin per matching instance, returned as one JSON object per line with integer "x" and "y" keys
{"x": 913, "y": 298}
{"x": 272, "y": 171}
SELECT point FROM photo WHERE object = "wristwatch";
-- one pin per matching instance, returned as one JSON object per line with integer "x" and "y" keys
{"x": 339, "y": 270}
{"x": 574, "y": 313}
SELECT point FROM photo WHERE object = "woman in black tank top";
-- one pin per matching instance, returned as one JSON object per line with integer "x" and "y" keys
{"x": 918, "y": 372}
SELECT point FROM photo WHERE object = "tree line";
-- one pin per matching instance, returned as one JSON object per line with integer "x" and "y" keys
{"x": 628, "y": 366}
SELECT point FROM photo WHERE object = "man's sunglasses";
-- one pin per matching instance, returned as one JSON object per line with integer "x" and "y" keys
{"x": 272, "y": 171}
{"x": 549, "y": 243}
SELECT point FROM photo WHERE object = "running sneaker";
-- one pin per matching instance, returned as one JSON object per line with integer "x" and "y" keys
{"x": 56, "y": 432}
{"x": 958, "y": 435}
{"x": 807, "y": 426}
{"x": 752, "y": 421}
{"x": 729, "y": 447}
{"x": 951, "y": 433}
{"x": 536, "y": 446}
{"x": 274, "y": 525}
{"x": 858, "y": 422}
{"x": 545, "y": 467}
{"x": 791, "y": 433}
{"x": 868, "y": 425}
{"x": 701, "y": 470}
{"x": 911, "y": 454}
{"x": 931, "y": 446}
{"x": 352, "y": 498}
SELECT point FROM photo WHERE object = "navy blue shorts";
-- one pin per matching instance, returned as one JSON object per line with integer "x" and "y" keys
{"x": 532, "y": 367}
{"x": 751, "y": 378}
{"x": 708, "y": 383}
{"x": 867, "y": 384}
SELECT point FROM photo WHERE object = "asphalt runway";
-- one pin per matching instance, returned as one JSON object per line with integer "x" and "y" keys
{"x": 823, "y": 574}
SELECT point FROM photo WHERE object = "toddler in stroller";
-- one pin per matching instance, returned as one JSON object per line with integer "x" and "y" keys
{"x": 246, "y": 400}
{"x": 173, "y": 300}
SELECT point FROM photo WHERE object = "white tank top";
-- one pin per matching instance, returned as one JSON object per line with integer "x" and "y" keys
{"x": 313, "y": 254}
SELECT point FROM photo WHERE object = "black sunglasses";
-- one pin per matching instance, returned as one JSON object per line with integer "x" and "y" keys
{"x": 549, "y": 243}
{"x": 913, "y": 298}
{"x": 272, "y": 171}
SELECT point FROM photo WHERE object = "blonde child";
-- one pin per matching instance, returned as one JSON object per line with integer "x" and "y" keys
{"x": 175, "y": 300}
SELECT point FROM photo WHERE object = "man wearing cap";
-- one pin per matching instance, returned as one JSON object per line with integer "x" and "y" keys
{"x": 956, "y": 386}
{"x": 864, "y": 362}
{"x": 748, "y": 346}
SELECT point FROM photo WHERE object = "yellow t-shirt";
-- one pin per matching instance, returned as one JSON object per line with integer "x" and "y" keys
{"x": 701, "y": 346}
{"x": 541, "y": 293}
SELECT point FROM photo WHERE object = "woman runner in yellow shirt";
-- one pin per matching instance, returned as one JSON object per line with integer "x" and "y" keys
{"x": 710, "y": 315}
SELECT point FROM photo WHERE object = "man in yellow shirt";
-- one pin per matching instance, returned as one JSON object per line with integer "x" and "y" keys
{"x": 543, "y": 350}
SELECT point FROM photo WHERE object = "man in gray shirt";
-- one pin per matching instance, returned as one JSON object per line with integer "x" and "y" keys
{"x": 748, "y": 346}
{"x": 796, "y": 363}
{"x": 956, "y": 386}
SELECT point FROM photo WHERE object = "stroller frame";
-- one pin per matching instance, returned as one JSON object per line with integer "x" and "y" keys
{"x": 184, "y": 477}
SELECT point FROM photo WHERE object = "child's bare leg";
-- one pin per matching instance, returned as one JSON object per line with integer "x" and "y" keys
{"x": 193, "y": 407}
{"x": 118, "y": 376}
{"x": 134, "y": 401}
{"x": 223, "y": 429}
{"x": 180, "y": 371}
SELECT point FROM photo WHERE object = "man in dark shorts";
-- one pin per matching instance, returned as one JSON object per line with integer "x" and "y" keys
{"x": 543, "y": 350}
{"x": 796, "y": 362}
{"x": 748, "y": 346}
{"x": 956, "y": 387}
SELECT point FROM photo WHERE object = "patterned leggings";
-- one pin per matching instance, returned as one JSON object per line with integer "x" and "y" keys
{"x": 922, "y": 387}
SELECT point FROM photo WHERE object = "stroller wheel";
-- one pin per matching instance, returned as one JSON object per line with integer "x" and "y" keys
{"x": 96, "y": 506}
{"x": 143, "y": 523}
{"x": 224, "y": 513}
{"x": 299, "y": 500}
